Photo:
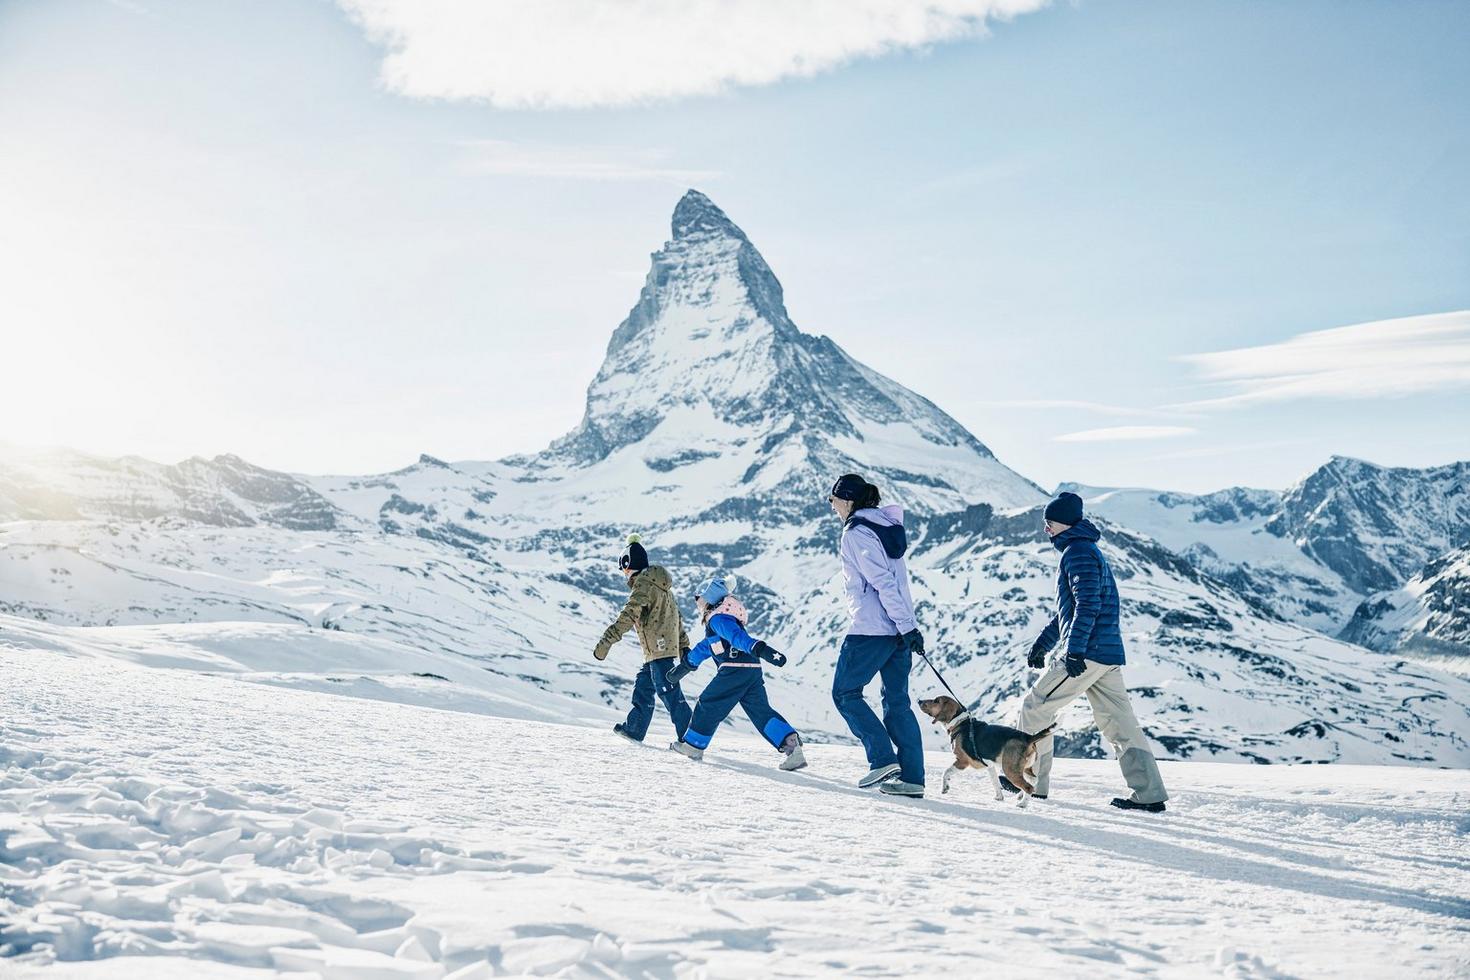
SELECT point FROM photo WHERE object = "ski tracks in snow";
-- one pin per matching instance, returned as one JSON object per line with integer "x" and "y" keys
{"x": 160, "y": 823}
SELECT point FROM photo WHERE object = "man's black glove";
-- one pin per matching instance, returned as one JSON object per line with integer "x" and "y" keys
{"x": 1036, "y": 659}
{"x": 764, "y": 651}
{"x": 1075, "y": 665}
{"x": 680, "y": 670}
{"x": 914, "y": 640}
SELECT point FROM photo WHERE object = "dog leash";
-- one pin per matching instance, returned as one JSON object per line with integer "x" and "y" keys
{"x": 937, "y": 674}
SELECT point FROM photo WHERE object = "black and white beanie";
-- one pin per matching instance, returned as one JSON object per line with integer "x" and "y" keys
{"x": 634, "y": 557}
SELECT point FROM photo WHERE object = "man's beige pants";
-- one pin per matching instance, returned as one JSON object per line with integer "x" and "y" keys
{"x": 1111, "y": 709}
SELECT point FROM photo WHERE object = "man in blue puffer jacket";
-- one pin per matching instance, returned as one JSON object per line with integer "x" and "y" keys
{"x": 1086, "y": 627}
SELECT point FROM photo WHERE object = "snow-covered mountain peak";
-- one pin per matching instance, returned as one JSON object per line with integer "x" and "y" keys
{"x": 708, "y": 359}
{"x": 1376, "y": 525}
{"x": 697, "y": 215}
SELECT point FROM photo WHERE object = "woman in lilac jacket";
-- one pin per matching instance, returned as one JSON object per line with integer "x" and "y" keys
{"x": 882, "y": 639}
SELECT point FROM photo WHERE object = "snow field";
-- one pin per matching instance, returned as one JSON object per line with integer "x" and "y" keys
{"x": 170, "y": 823}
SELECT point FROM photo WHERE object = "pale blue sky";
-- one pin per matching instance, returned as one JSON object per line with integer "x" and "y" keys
{"x": 225, "y": 232}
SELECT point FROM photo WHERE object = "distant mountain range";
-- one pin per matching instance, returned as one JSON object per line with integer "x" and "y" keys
{"x": 1369, "y": 553}
{"x": 714, "y": 428}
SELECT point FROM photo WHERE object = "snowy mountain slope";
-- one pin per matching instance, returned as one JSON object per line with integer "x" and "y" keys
{"x": 1314, "y": 553}
{"x": 404, "y": 594}
{"x": 1427, "y": 617}
{"x": 1215, "y": 678}
{"x": 165, "y": 823}
{"x": 1226, "y": 535}
{"x": 226, "y": 491}
{"x": 288, "y": 655}
{"x": 1376, "y": 525}
{"x": 714, "y": 428}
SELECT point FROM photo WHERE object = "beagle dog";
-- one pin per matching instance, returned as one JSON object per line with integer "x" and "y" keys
{"x": 977, "y": 744}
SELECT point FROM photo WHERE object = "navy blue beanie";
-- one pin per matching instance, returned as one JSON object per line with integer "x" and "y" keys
{"x": 1066, "y": 509}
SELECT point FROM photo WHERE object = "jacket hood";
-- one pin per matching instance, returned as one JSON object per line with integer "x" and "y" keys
{"x": 1083, "y": 530}
{"x": 888, "y": 515}
{"x": 656, "y": 576}
{"x": 887, "y": 524}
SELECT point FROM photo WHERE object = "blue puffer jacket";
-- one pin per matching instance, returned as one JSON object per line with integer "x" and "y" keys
{"x": 1087, "y": 599}
{"x": 727, "y": 642}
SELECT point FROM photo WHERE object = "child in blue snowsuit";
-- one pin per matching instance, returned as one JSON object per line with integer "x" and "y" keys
{"x": 739, "y": 681}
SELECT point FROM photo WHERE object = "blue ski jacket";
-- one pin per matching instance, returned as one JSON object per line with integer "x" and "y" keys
{"x": 1086, "y": 620}
{"x": 726, "y": 642}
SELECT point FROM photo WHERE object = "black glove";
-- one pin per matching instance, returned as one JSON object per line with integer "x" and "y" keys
{"x": 1036, "y": 659}
{"x": 1075, "y": 665}
{"x": 680, "y": 670}
{"x": 914, "y": 640}
{"x": 764, "y": 651}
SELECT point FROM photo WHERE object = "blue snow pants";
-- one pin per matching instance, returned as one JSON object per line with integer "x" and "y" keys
{"x": 745, "y": 686}
{"x": 653, "y": 679}
{"x": 863, "y": 658}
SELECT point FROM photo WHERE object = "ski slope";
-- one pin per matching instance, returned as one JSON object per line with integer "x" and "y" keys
{"x": 166, "y": 822}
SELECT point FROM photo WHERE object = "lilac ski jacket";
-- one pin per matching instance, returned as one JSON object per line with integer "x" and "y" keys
{"x": 877, "y": 586}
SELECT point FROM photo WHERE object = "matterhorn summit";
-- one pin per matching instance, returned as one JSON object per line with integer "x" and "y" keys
{"x": 709, "y": 361}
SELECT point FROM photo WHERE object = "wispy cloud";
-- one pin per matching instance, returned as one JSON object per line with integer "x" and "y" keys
{"x": 509, "y": 159}
{"x": 571, "y": 53}
{"x": 1215, "y": 452}
{"x": 1126, "y": 433}
{"x": 1096, "y": 408}
{"x": 1382, "y": 359}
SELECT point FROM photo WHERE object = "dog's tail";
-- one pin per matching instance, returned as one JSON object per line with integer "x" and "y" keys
{"x": 1033, "y": 739}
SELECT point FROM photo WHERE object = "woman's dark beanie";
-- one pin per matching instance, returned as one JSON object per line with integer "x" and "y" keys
{"x": 849, "y": 487}
{"x": 1066, "y": 509}
{"x": 634, "y": 559}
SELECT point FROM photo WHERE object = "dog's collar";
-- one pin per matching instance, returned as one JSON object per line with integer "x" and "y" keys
{"x": 954, "y": 723}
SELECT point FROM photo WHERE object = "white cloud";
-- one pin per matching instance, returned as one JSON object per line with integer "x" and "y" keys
{"x": 1126, "y": 433}
{"x": 1385, "y": 358}
{"x": 1071, "y": 405}
{"x": 504, "y": 158}
{"x": 576, "y": 54}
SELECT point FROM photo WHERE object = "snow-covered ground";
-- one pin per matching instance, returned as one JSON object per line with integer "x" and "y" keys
{"x": 176, "y": 823}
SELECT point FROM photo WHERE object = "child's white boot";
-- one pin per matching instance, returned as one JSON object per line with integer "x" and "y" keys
{"x": 795, "y": 759}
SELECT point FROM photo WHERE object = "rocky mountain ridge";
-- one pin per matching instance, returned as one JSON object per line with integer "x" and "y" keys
{"x": 1335, "y": 552}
